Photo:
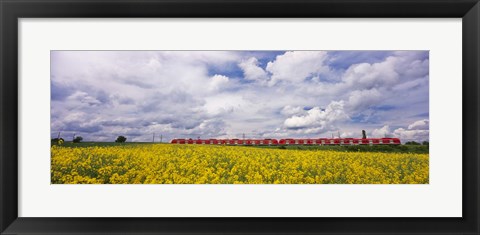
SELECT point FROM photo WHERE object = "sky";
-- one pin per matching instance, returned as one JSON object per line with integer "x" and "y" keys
{"x": 100, "y": 95}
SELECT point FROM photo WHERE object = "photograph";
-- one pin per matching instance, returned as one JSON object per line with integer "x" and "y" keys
{"x": 239, "y": 117}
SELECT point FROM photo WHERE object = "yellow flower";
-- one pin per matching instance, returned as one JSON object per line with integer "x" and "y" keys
{"x": 200, "y": 164}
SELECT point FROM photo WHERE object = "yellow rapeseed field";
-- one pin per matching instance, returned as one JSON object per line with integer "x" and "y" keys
{"x": 195, "y": 164}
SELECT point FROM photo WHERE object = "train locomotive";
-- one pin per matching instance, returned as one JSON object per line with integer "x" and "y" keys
{"x": 274, "y": 142}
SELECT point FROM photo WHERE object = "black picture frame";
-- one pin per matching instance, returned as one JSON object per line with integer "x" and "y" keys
{"x": 12, "y": 10}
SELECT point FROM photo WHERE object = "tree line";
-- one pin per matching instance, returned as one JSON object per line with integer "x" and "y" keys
{"x": 79, "y": 139}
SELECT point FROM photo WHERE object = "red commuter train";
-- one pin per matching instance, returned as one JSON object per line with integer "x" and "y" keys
{"x": 319, "y": 141}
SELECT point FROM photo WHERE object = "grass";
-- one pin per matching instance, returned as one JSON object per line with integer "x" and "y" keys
{"x": 102, "y": 144}
{"x": 358, "y": 148}
{"x": 344, "y": 148}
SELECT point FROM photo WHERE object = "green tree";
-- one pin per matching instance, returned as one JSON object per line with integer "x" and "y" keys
{"x": 121, "y": 139}
{"x": 78, "y": 139}
{"x": 412, "y": 143}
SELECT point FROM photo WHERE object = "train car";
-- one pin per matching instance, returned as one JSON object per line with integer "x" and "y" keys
{"x": 322, "y": 141}
{"x": 272, "y": 141}
{"x": 357, "y": 141}
{"x": 348, "y": 141}
{"x": 391, "y": 141}
{"x": 363, "y": 141}
{"x": 286, "y": 142}
{"x": 308, "y": 142}
{"x": 269, "y": 142}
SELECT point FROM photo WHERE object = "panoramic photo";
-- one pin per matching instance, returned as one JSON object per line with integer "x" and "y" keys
{"x": 239, "y": 117}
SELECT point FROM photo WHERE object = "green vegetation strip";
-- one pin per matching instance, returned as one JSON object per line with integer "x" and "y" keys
{"x": 358, "y": 148}
{"x": 345, "y": 148}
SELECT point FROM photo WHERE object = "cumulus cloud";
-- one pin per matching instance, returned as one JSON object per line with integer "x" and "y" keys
{"x": 409, "y": 85}
{"x": 224, "y": 103}
{"x": 296, "y": 66}
{"x": 412, "y": 135}
{"x": 419, "y": 125}
{"x": 382, "y": 132}
{"x": 317, "y": 120}
{"x": 82, "y": 98}
{"x": 218, "y": 81}
{"x": 290, "y": 110}
{"x": 363, "y": 99}
{"x": 348, "y": 135}
{"x": 416, "y": 131}
{"x": 369, "y": 76}
{"x": 251, "y": 70}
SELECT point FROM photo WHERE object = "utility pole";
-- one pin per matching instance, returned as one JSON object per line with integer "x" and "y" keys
{"x": 161, "y": 137}
{"x": 153, "y": 138}
{"x": 243, "y": 136}
{"x": 58, "y": 137}
{"x": 338, "y": 134}
{"x": 74, "y": 136}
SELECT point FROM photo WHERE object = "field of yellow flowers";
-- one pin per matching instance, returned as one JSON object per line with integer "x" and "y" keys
{"x": 195, "y": 164}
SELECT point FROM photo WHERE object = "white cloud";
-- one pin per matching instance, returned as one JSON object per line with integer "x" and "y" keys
{"x": 348, "y": 135}
{"x": 417, "y": 131}
{"x": 84, "y": 99}
{"x": 363, "y": 99}
{"x": 290, "y": 110}
{"x": 295, "y": 66}
{"x": 218, "y": 81}
{"x": 224, "y": 103}
{"x": 251, "y": 70}
{"x": 368, "y": 76}
{"x": 318, "y": 120}
{"x": 408, "y": 85}
{"x": 419, "y": 125}
{"x": 382, "y": 132}
{"x": 411, "y": 135}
